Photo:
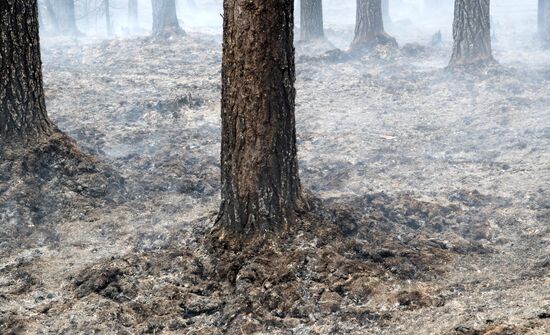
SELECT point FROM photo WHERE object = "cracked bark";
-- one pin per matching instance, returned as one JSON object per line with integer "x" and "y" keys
{"x": 165, "y": 19}
{"x": 259, "y": 166}
{"x": 369, "y": 26}
{"x": 471, "y": 33}
{"x": 22, "y": 103}
{"x": 311, "y": 20}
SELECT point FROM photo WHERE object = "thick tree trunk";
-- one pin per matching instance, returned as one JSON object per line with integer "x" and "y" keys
{"x": 471, "y": 33}
{"x": 132, "y": 16}
{"x": 369, "y": 26}
{"x": 22, "y": 104}
{"x": 311, "y": 20}
{"x": 544, "y": 20}
{"x": 66, "y": 18}
{"x": 260, "y": 184}
{"x": 165, "y": 19}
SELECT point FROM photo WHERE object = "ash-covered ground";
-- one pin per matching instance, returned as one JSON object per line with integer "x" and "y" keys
{"x": 433, "y": 214}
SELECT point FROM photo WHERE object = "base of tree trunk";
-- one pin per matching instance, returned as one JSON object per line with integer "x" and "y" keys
{"x": 55, "y": 167}
{"x": 170, "y": 33}
{"x": 383, "y": 39}
{"x": 342, "y": 263}
{"x": 481, "y": 65}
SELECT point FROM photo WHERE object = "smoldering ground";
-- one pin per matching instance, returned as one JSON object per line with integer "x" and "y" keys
{"x": 433, "y": 215}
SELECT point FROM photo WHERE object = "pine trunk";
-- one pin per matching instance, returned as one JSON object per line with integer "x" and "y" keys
{"x": 132, "y": 16}
{"x": 22, "y": 103}
{"x": 165, "y": 19}
{"x": 369, "y": 26}
{"x": 66, "y": 18}
{"x": 311, "y": 20}
{"x": 471, "y": 33}
{"x": 544, "y": 20}
{"x": 260, "y": 184}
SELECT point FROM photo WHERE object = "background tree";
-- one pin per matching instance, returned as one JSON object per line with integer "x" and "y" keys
{"x": 369, "y": 26}
{"x": 107, "y": 11}
{"x": 386, "y": 18}
{"x": 165, "y": 19}
{"x": 66, "y": 18}
{"x": 260, "y": 184}
{"x": 22, "y": 104}
{"x": 544, "y": 20}
{"x": 311, "y": 20}
{"x": 132, "y": 16}
{"x": 471, "y": 33}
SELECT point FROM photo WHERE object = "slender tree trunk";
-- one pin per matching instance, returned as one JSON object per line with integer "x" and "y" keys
{"x": 22, "y": 104}
{"x": 544, "y": 20}
{"x": 369, "y": 26}
{"x": 165, "y": 20}
{"x": 311, "y": 20}
{"x": 132, "y": 16}
{"x": 107, "y": 8}
{"x": 386, "y": 12}
{"x": 260, "y": 184}
{"x": 66, "y": 18}
{"x": 472, "y": 33}
{"x": 52, "y": 18}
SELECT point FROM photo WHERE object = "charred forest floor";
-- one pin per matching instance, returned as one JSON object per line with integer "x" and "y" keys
{"x": 430, "y": 211}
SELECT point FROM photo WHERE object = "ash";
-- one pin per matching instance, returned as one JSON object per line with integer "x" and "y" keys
{"x": 430, "y": 198}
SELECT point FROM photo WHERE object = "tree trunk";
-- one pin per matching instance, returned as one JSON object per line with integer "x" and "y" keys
{"x": 311, "y": 20}
{"x": 22, "y": 104}
{"x": 471, "y": 33}
{"x": 52, "y": 18}
{"x": 132, "y": 16}
{"x": 66, "y": 18}
{"x": 260, "y": 184}
{"x": 107, "y": 8}
{"x": 386, "y": 18}
{"x": 544, "y": 20}
{"x": 369, "y": 26}
{"x": 165, "y": 19}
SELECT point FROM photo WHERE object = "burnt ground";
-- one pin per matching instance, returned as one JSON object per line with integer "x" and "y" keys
{"x": 429, "y": 214}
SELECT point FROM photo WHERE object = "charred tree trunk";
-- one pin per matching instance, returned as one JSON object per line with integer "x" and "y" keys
{"x": 544, "y": 20}
{"x": 107, "y": 9}
{"x": 132, "y": 16}
{"x": 66, "y": 18}
{"x": 22, "y": 105}
{"x": 471, "y": 33}
{"x": 311, "y": 20}
{"x": 260, "y": 184}
{"x": 165, "y": 19}
{"x": 369, "y": 26}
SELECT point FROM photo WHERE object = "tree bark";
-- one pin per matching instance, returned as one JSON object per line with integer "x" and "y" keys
{"x": 369, "y": 26}
{"x": 165, "y": 19}
{"x": 66, "y": 18}
{"x": 471, "y": 33}
{"x": 22, "y": 103}
{"x": 132, "y": 16}
{"x": 311, "y": 20}
{"x": 259, "y": 166}
{"x": 544, "y": 20}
